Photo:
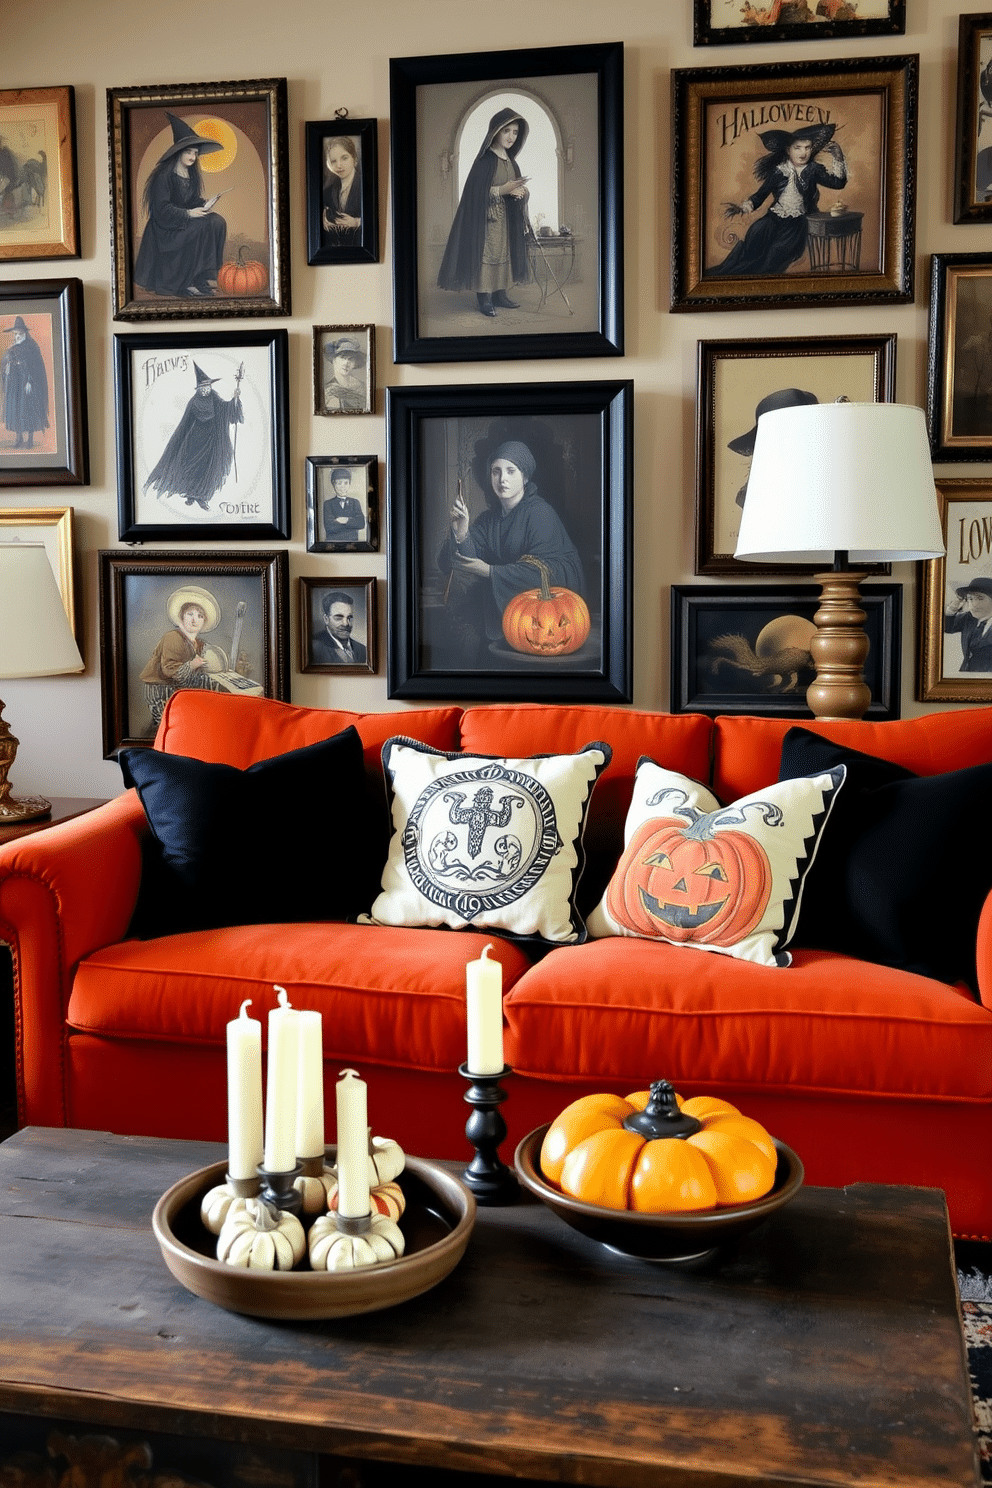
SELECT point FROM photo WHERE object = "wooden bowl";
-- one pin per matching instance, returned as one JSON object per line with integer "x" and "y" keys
{"x": 658, "y": 1237}
{"x": 438, "y": 1220}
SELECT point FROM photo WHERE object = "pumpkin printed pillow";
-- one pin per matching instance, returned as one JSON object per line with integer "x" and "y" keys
{"x": 481, "y": 843}
{"x": 717, "y": 878}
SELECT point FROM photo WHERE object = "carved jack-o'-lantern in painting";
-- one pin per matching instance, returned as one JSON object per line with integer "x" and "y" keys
{"x": 691, "y": 877}
{"x": 549, "y": 621}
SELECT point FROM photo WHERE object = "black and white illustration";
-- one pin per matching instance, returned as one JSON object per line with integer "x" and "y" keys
{"x": 342, "y": 504}
{"x": 338, "y": 625}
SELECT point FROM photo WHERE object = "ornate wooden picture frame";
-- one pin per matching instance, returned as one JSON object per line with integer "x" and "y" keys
{"x": 343, "y": 369}
{"x": 39, "y": 194}
{"x": 954, "y": 662}
{"x": 719, "y": 23}
{"x": 839, "y": 137}
{"x": 219, "y": 152}
{"x": 52, "y": 526}
{"x": 959, "y": 357}
{"x": 973, "y": 131}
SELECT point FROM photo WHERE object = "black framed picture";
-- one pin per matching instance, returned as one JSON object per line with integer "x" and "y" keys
{"x": 338, "y": 625}
{"x": 510, "y": 541}
{"x": 959, "y": 356}
{"x": 973, "y": 125}
{"x": 212, "y": 158}
{"x": 507, "y": 175}
{"x": 733, "y": 22}
{"x": 738, "y": 381}
{"x": 744, "y": 648}
{"x": 794, "y": 184}
{"x": 44, "y": 440}
{"x": 214, "y": 621}
{"x": 202, "y": 441}
{"x": 342, "y": 175}
{"x": 342, "y": 504}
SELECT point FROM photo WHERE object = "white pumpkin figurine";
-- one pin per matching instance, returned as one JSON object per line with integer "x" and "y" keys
{"x": 332, "y": 1249}
{"x": 260, "y": 1237}
{"x": 386, "y": 1198}
{"x": 218, "y": 1204}
{"x": 386, "y": 1160}
{"x": 315, "y": 1190}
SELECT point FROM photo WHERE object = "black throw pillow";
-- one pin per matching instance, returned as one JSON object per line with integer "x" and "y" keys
{"x": 892, "y": 881}
{"x": 289, "y": 839}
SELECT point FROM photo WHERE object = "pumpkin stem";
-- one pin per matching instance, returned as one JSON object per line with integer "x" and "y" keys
{"x": 661, "y": 1116}
{"x": 682, "y": 807}
{"x": 545, "y": 573}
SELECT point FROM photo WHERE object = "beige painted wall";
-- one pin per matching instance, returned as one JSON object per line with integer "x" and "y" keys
{"x": 334, "y": 58}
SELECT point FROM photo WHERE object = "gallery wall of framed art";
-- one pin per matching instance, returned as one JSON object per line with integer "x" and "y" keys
{"x": 621, "y": 164}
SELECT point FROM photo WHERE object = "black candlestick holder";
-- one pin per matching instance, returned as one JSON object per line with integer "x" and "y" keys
{"x": 490, "y": 1180}
{"x": 279, "y": 1189}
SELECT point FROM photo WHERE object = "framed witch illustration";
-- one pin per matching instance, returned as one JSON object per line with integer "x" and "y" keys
{"x": 201, "y": 435}
{"x": 43, "y": 426}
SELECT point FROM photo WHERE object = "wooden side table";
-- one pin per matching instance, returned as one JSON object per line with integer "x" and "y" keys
{"x": 835, "y": 241}
{"x": 63, "y": 809}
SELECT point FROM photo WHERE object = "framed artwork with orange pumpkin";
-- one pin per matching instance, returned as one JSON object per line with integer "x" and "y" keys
{"x": 199, "y": 179}
{"x": 202, "y": 445}
{"x": 744, "y": 648}
{"x": 510, "y": 541}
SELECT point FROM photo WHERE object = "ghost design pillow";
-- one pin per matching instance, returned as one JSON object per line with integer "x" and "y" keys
{"x": 482, "y": 843}
{"x": 715, "y": 878}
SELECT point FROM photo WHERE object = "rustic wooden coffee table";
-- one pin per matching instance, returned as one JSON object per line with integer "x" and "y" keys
{"x": 826, "y": 1349}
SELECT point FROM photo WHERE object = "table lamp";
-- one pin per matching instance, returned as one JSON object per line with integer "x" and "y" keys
{"x": 841, "y": 483}
{"x": 35, "y": 641}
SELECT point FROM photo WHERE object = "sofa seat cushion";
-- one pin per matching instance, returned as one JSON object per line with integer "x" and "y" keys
{"x": 388, "y": 996}
{"x": 622, "y": 1011}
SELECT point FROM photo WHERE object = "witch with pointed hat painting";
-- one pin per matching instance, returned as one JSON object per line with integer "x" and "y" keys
{"x": 198, "y": 457}
{"x": 182, "y": 246}
{"x": 791, "y": 173}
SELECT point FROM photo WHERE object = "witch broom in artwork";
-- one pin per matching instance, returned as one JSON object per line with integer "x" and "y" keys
{"x": 198, "y": 457}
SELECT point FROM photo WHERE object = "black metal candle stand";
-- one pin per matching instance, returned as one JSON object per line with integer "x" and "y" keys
{"x": 488, "y": 1177}
{"x": 279, "y": 1189}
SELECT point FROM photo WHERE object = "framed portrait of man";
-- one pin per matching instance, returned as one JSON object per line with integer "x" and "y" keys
{"x": 342, "y": 504}
{"x": 955, "y": 648}
{"x": 338, "y": 625}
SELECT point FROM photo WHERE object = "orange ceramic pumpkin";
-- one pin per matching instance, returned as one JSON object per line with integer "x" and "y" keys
{"x": 685, "y": 881}
{"x": 548, "y": 621}
{"x": 655, "y": 1153}
{"x": 242, "y": 276}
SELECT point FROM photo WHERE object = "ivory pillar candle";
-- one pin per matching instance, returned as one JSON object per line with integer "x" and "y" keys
{"x": 484, "y": 1002}
{"x": 244, "y": 1094}
{"x": 310, "y": 1089}
{"x": 353, "y": 1146}
{"x": 280, "y": 1093}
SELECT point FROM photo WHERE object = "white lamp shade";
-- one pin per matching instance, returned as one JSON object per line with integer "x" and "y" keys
{"x": 35, "y": 638}
{"x": 841, "y": 477}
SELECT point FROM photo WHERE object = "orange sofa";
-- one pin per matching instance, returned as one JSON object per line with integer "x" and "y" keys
{"x": 870, "y": 1073}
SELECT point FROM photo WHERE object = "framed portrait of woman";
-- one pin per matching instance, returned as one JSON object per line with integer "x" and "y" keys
{"x": 342, "y": 174}
{"x": 199, "y": 200}
{"x": 510, "y": 545}
{"x": 507, "y": 176}
{"x": 168, "y": 620}
{"x": 794, "y": 185}
{"x": 44, "y": 431}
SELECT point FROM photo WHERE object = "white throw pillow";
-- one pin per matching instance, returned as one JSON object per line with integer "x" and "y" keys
{"x": 481, "y": 843}
{"x": 716, "y": 878}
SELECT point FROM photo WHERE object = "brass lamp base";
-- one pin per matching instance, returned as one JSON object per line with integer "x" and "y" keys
{"x": 11, "y": 809}
{"x": 839, "y": 649}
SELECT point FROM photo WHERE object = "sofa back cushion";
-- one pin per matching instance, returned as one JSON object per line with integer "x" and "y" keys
{"x": 679, "y": 741}
{"x": 747, "y": 750}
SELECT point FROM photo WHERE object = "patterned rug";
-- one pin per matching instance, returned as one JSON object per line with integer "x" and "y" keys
{"x": 976, "y": 1307}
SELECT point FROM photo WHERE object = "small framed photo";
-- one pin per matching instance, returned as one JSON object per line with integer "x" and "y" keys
{"x": 338, "y": 625}
{"x": 510, "y": 541}
{"x": 212, "y": 158}
{"x": 44, "y": 438}
{"x": 507, "y": 175}
{"x": 343, "y": 369}
{"x": 342, "y": 504}
{"x": 213, "y": 621}
{"x": 738, "y": 381}
{"x": 342, "y": 172}
{"x": 52, "y": 527}
{"x": 39, "y": 215}
{"x": 955, "y": 655}
{"x": 202, "y": 420}
{"x": 973, "y": 132}
{"x": 959, "y": 356}
{"x": 833, "y": 142}
{"x": 721, "y": 23}
{"x": 744, "y": 648}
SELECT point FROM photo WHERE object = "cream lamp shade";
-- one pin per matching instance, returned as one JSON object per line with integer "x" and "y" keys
{"x": 35, "y": 641}
{"x": 830, "y": 478}
{"x": 840, "y": 484}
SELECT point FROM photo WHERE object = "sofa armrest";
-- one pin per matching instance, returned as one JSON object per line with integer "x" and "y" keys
{"x": 64, "y": 893}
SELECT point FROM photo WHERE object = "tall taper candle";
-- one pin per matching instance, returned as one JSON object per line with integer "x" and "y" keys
{"x": 244, "y": 1094}
{"x": 310, "y": 1092}
{"x": 484, "y": 1002}
{"x": 353, "y": 1146}
{"x": 280, "y": 1094}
